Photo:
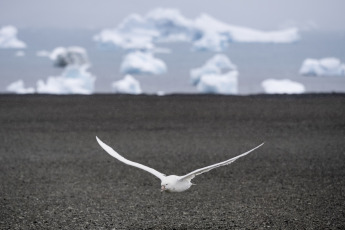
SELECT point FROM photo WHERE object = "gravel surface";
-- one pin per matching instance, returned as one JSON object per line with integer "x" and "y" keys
{"x": 54, "y": 175}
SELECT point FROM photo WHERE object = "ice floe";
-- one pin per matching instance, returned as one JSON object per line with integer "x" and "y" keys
{"x": 219, "y": 83}
{"x": 127, "y": 85}
{"x": 218, "y": 64}
{"x": 169, "y": 25}
{"x": 142, "y": 63}
{"x": 74, "y": 80}
{"x": 282, "y": 86}
{"x": 18, "y": 87}
{"x": 8, "y": 38}
{"x": 324, "y": 67}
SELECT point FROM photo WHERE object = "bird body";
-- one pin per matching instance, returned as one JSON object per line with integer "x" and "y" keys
{"x": 171, "y": 183}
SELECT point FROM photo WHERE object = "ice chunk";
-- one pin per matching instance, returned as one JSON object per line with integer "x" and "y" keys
{"x": 282, "y": 86}
{"x": 142, "y": 63}
{"x": 219, "y": 84}
{"x": 74, "y": 80}
{"x": 215, "y": 66}
{"x": 207, "y": 23}
{"x": 169, "y": 25}
{"x": 73, "y": 55}
{"x": 19, "y": 88}
{"x": 324, "y": 67}
{"x": 8, "y": 38}
{"x": 127, "y": 85}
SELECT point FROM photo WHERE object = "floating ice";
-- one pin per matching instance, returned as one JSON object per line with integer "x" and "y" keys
{"x": 73, "y": 55}
{"x": 169, "y": 25}
{"x": 283, "y": 86}
{"x": 142, "y": 63}
{"x": 214, "y": 66}
{"x": 127, "y": 85}
{"x": 19, "y": 88}
{"x": 209, "y": 24}
{"x": 74, "y": 80}
{"x": 219, "y": 84}
{"x": 8, "y": 38}
{"x": 324, "y": 67}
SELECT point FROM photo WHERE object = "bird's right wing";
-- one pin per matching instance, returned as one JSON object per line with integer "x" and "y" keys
{"x": 113, "y": 153}
{"x": 191, "y": 175}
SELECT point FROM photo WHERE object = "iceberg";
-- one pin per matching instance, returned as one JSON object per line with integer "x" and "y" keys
{"x": 214, "y": 66}
{"x": 209, "y": 24}
{"x": 219, "y": 84}
{"x": 127, "y": 85}
{"x": 63, "y": 57}
{"x": 8, "y": 38}
{"x": 74, "y": 80}
{"x": 169, "y": 25}
{"x": 324, "y": 67}
{"x": 283, "y": 86}
{"x": 19, "y": 88}
{"x": 142, "y": 63}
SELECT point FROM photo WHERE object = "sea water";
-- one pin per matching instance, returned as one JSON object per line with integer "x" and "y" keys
{"x": 256, "y": 62}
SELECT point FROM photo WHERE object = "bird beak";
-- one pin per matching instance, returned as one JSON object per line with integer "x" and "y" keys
{"x": 162, "y": 188}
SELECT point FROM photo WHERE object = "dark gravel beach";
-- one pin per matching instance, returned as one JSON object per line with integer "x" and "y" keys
{"x": 54, "y": 175}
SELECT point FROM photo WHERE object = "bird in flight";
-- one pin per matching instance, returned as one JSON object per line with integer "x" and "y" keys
{"x": 171, "y": 183}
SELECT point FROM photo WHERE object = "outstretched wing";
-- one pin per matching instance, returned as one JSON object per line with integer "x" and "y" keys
{"x": 191, "y": 175}
{"x": 113, "y": 153}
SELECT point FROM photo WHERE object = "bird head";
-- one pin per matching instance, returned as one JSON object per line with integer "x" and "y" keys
{"x": 168, "y": 183}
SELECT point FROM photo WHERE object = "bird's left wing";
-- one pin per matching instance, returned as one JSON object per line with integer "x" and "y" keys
{"x": 113, "y": 153}
{"x": 191, "y": 175}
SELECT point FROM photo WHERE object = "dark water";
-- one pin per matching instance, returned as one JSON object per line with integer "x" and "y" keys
{"x": 256, "y": 62}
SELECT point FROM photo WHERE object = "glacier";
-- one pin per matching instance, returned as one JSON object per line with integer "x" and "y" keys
{"x": 282, "y": 86}
{"x": 330, "y": 66}
{"x": 142, "y": 63}
{"x": 127, "y": 85}
{"x": 169, "y": 25}
{"x": 8, "y": 38}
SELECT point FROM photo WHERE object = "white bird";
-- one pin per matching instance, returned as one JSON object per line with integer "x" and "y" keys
{"x": 171, "y": 183}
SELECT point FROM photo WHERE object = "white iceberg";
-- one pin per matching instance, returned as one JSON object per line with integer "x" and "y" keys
{"x": 219, "y": 84}
{"x": 74, "y": 80}
{"x": 169, "y": 25}
{"x": 19, "y": 88}
{"x": 214, "y": 66}
{"x": 324, "y": 67}
{"x": 209, "y": 24}
{"x": 8, "y": 38}
{"x": 282, "y": 86}
{"x": 127, "y": 85}
{"x": 63, "y": 57}
{"x": 142, "y": 63}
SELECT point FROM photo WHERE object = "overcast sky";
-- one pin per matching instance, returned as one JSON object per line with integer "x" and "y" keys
{"x": 260, "y": 14}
